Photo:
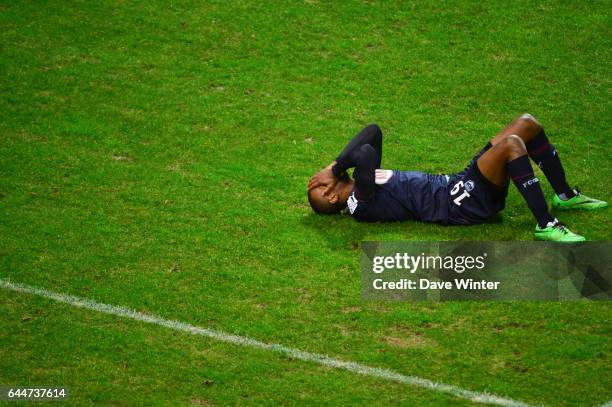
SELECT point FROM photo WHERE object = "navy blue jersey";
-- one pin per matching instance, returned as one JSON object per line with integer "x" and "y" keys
{"x": 379, "y": 195}
{"x": 403, "y": 195}
{"x": 462, "y": 198}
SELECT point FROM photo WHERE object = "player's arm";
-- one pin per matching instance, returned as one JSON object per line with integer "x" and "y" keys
{"x": 370, "y": 135}
{"x": 352, "y": 156}
{"x": 365, "y": 160}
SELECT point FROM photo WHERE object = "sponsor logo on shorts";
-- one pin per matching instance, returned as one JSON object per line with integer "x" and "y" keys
{"x": 469, "y": 185}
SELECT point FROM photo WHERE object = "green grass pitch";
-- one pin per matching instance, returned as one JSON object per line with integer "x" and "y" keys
{"x": 154, "y": 155}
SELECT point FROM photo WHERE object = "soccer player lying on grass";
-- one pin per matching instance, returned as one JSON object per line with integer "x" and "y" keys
{"x": 472, "y": 196}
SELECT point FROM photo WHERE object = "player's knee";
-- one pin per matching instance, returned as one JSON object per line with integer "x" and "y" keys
{"x": 530, "y": 121}
{"x": 513, "y": 145}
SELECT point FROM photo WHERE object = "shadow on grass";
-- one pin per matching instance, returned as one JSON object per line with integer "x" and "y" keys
{"x": 342, "y": 232}
{"x": 337, "y": 231}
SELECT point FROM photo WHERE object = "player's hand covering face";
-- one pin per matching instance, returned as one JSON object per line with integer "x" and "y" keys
{"x": 325, "y": 178}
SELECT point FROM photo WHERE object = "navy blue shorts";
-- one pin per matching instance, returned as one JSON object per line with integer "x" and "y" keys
{"x": 473, "y": 198}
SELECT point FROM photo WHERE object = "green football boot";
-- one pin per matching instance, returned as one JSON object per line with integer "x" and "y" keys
{"x": 579, "y": 201}
{"x": 556, "y": 232}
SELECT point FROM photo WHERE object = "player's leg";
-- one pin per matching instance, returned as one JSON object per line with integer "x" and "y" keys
{"x": 545, "y": 155}
{"x": 522, "y": 127}
{"x": 525, "y": 126}
{"x": 508, "y": 158}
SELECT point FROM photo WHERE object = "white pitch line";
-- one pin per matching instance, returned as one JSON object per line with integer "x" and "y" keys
{"x": 321, "y": 359}
{"x": 608, "y": 404}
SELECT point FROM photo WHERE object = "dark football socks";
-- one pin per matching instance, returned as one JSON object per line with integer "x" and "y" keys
{"x": 545, "y": 156}
{"x": 527, "y": 183}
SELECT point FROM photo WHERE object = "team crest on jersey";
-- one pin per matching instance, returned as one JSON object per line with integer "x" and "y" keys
{"x": 382, "y": 176}
{"x": 352, "y": 203}
{"x": 469, "y": 185}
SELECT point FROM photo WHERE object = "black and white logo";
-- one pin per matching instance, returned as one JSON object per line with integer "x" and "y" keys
{"x": 352, "y": 203}
{"x": 469, "y": 185}
{"x": 530, "y": 182}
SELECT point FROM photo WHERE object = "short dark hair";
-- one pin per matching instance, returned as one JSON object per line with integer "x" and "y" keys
{"x": 321, "y": 205}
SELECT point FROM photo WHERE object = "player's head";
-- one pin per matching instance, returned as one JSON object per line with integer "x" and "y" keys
{"x": 333, "y": 202}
